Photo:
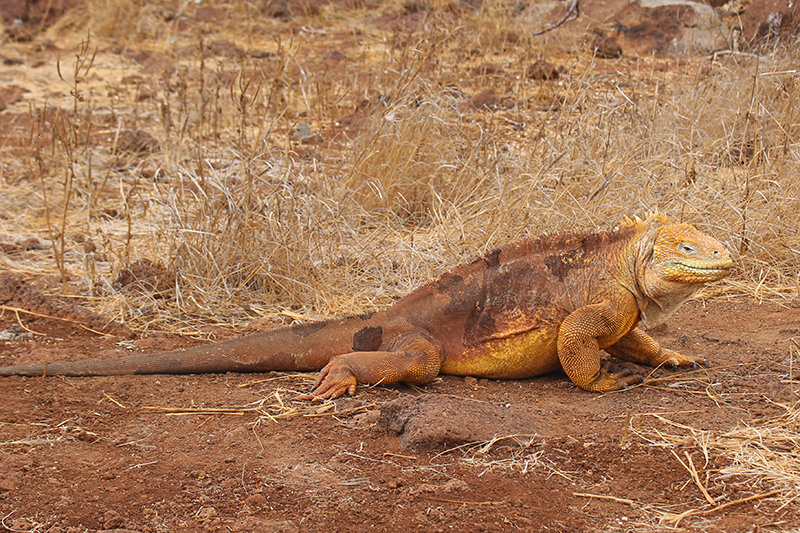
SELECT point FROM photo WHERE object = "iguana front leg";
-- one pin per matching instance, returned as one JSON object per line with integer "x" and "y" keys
{"x": 639, "y": 347}
{"x": 579, "y": 348}
{"x": 411, "y": 358}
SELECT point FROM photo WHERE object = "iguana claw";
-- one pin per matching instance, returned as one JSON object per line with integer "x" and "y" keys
{"x": 675, "y": 360}
{"x": 611, "y": 381}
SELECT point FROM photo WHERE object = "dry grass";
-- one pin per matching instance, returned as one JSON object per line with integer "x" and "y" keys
{"x": 276, "y": 406}
{"x": 761, "y": 456}
{"x": 250, "y": 221}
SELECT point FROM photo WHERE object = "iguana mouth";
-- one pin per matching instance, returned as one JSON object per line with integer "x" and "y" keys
{"x": 710, "y": 272}
{"x": 713, "y": 268}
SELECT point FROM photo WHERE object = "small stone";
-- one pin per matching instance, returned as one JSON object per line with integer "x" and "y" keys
{"x": 485, "y": 99}
{"x": 31, "y": 243}
{"x": 112, "y": 520}
{"x": 606, "y": 47}
{"x": 206, "y": 513}
{"x": 455, "y": 485}
{"x": 543, "y": 70}
{"x": 304, "y": 134}
{"x": 146, "y": 276}
{"x": 366, "y": 419}
{"x": 430, "y": 422}
{"x": 509, "y": 37}
{"x": 256, "y": 500}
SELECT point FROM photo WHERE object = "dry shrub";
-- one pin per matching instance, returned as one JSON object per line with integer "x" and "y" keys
{"x": 230, "y": 234}
{"x": 412, "y": 159}
{"x": 457, "y": 180}
{"x": 125, "y": 21}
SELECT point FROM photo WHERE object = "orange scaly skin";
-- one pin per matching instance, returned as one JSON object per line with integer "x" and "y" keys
{"x": 523, "y": 310}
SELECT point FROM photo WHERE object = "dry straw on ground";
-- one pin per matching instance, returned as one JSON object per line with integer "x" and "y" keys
{"x": 761, "y": 456}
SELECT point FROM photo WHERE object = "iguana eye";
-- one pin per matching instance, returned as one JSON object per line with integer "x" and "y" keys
{"x": 688, "y": 248}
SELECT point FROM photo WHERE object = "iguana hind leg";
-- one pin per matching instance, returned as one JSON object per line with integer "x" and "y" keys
{"x": 412, "y": 358}
{"x": 639, "y": 347}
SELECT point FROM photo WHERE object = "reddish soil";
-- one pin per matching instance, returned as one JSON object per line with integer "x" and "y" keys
{"x": 78, "y": 453}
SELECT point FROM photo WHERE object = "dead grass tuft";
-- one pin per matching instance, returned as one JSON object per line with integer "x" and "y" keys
{"x": 762, "y": 457}
{"x": 128, "y": 22}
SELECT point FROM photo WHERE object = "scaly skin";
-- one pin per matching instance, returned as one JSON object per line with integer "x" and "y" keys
{"x": 524, "y": 310}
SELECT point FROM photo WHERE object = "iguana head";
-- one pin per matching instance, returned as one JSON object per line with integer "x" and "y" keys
{"x": 680, "y": 259}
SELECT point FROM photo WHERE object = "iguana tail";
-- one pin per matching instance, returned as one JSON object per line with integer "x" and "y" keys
{"x": 302, "y": 347}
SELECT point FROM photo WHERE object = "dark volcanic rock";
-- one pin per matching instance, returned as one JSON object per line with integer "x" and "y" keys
{"x": 669, "y": 28}
{"x": 432, "y": 422}
{"x": 769, "y": 19}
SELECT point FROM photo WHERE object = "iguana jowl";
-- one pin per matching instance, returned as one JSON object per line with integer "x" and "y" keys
{"x": 523, "y": 310}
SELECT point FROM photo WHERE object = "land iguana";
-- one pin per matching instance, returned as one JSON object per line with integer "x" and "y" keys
{"x": 526, "y": 309}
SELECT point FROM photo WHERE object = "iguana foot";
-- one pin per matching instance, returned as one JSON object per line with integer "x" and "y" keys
{"x": 333, "y": 381}
{"x": 610, "y": 381}
{"x": 675, "y": 360}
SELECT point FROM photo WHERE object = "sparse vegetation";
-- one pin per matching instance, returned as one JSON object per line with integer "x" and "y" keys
{"x": 349, "y": 217}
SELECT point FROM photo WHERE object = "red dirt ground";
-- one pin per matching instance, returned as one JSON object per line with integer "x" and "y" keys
{"x": 78, "y": 453}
